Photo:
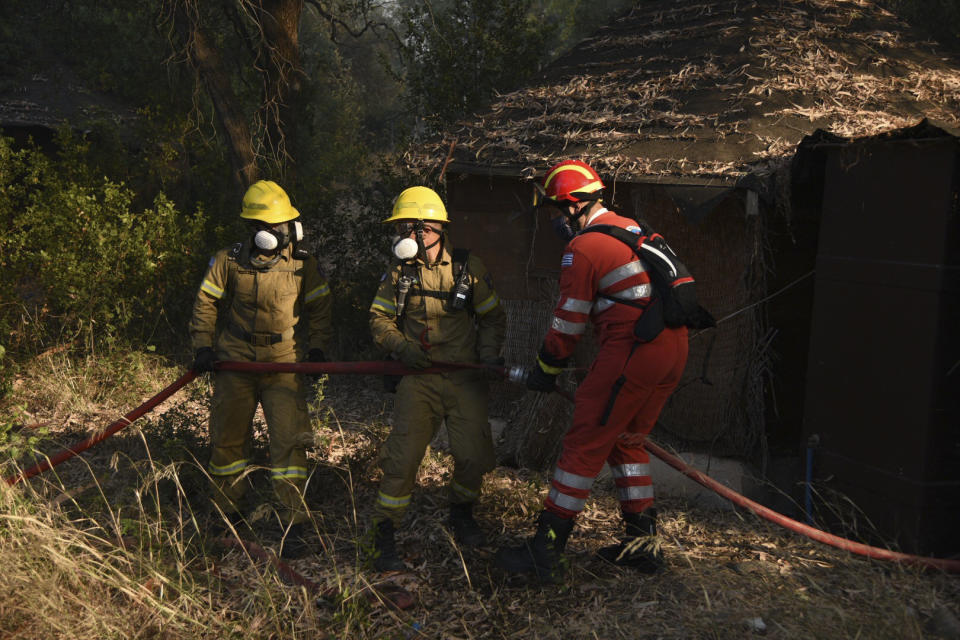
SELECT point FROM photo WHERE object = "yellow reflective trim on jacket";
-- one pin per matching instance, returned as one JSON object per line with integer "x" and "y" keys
{"x": 227, "y": 470}
{"x": 382, "y": 303}
{"x": 554, "y": 371}
{"x": 288, "y": 472}
{"x": 393, "y": 502}
{"x": 211, "y": 288}
{"x": 487, "y": 305}
{"x": 316, "y": 292}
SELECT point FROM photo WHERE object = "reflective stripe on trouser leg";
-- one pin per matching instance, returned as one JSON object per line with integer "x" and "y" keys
{"x": 416, "y": 417}
{"x": 634, "y": 486}
{"x": 568, "y": 493}
{"x": 465, "y": 395}
{"x": 231, "y": 414}
{"x": 283, "y": 397}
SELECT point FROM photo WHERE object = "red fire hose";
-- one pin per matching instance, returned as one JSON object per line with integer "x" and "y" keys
{"x": 391, "y": 367}
{"x": 83, "y": 445}
{"x": 952, "y": 566}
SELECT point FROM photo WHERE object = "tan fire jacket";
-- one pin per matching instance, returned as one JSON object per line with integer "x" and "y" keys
{"x": 269, "y": 314}
{"x": 472, "y": 334}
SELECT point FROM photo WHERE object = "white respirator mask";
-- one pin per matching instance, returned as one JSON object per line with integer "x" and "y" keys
{"x": 272, "y": 239}
{"x": 404, "y": 248}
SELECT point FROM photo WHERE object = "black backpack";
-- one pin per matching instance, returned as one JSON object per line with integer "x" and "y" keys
{"x": 674, "y": 300}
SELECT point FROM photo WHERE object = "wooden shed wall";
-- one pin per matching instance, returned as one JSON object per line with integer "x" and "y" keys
{"x": 719, "y": 404}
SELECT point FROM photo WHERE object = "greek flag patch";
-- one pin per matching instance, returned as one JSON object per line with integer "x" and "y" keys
{"x": 634, "y": 229}
{"x": 567, "y": 260}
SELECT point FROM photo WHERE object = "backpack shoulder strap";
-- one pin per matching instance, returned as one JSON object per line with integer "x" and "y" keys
{"x": 626, "y": 237}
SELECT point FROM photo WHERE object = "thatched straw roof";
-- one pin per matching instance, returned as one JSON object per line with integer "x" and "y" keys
{"x": 709, "y": 90}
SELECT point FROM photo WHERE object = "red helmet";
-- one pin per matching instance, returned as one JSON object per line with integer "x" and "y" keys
{"x": 572, "y": 181}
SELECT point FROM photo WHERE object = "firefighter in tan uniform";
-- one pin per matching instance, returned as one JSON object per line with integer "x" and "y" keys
{"x": 436, "y": 304}
{"x": 273, "y": 305}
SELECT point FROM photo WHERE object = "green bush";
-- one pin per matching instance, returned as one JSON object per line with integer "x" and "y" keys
{"x": 76, "y": 257}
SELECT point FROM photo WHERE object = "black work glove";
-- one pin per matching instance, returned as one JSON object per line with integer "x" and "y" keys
{"x": 494, "y": 375}
{"x": 204, "y": 359}
{"x": 413, "y": 356}
{"x": 540, "y": 380}
{"x": 315, "y": 355}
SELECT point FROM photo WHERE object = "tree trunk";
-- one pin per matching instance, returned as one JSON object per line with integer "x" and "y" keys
{"x": 214, "y": 77}
{"x": 280, "y": 22}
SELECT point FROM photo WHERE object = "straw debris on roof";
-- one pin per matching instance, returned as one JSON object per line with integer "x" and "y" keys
{"x": 711, "y": 89}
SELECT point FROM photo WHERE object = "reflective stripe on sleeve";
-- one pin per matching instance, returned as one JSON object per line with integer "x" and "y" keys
{"x": 620, "y": 273}
{"x": 228, "y": 469}
{"x": 487, "y": 305}
{"x": 564, "y": 501}
{"x": 572, "y": 480}
{"x": 211, "y": 288}
{"x": 567, "y": 327}
{"x": 383, "y": 303}
{"x": 577, "y": 306}
{"x": 322, "y": 290}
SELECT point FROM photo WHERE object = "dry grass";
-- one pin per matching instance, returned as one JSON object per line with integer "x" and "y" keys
{"x": 116, "y": 545}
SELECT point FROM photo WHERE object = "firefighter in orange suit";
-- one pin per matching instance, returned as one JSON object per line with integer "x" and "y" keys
{"x": 618, "y": 402}
{"x": 273, "y": 304}
{"x": 434, "y": 304}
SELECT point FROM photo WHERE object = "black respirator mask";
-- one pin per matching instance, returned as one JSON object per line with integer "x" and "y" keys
{"x": 272, "y": 239}
{"x": 561, "y": 227}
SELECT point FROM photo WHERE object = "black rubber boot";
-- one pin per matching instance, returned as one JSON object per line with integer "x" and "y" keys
{"x": 639, "y": 549}
{"x": 295, "y": 542}
{"x": 385, "y": 557}
{"x": 542, "y": 555}
{"x": 466, "y": 531}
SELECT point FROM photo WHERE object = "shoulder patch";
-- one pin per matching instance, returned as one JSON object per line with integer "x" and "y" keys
{"x": 567, "y": 260}
{"x": 383, "y": 277}
{"x": 634, "y": 229}
{"x": 210, "y": 264}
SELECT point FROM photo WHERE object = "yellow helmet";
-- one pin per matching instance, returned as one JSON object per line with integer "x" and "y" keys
{"x": 418, "y": 203}
{"x": 267, "y": 202}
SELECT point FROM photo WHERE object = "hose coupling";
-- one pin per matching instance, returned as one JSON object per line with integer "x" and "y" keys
{"x": 518, "y": 374}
